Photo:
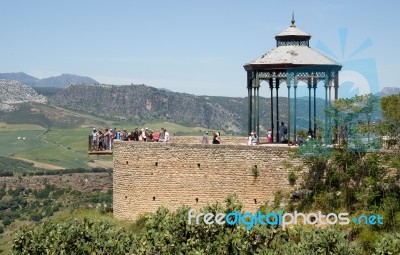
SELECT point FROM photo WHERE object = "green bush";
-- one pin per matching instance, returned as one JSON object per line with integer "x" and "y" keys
{"x": 7, "y": 221}
{"x": 255, "y": 171}
{"x": 292, "y": 178}
{"x": 168, "y": 232}
{"x": 87, "y": 236}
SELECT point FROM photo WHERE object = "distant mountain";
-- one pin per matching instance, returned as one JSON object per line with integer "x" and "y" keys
{"x": 60, "y": 81}
{"x": 63, "y": 80}
{"x": 387, "y": 91}
{"x": 13, "y": 93}
{"x": 20, "y": 77}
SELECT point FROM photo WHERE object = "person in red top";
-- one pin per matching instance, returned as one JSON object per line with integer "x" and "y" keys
{"x": 269, "y": 136}
{"x": 156, "y": 136}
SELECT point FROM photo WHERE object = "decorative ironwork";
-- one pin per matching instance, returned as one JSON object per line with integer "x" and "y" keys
{"x": 293, "y": 43}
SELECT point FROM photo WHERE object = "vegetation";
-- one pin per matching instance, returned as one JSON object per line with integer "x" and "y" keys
{"x": 390, "y": 127}
{"x": 29, "y": 207}
{"x": 292, "y": 178}
{"x": 166, "y": 232}
{"x": 343, "y": 180}
{"x": 255, "y": 171}
{"x": 15, "y": 167}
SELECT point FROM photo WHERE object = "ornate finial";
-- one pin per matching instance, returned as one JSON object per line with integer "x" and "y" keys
{"x": 293, "y": 19}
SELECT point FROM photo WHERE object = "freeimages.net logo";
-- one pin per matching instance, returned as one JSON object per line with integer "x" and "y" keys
{"x": 280, "y": 219}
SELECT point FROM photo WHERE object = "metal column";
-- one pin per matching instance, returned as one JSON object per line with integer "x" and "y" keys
{"x": 277, "y": 109}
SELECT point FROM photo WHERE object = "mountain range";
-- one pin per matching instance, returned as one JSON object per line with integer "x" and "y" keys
{"x": 60, "y": 81}
{"x": 141, "y": 102}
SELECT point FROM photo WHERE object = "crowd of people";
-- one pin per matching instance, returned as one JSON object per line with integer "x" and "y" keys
{"x": 253, "y": 139}
{"x": 102, "y": 140}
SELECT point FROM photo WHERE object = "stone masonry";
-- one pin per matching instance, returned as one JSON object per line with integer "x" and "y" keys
{"x": 149, "y": 175}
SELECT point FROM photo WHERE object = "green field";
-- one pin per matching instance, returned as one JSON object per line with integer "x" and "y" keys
{"x": 60, "y": 147}
{"x": 68, "y": 147}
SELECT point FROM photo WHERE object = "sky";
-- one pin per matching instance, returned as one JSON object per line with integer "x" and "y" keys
{"x": 196, "y": 47}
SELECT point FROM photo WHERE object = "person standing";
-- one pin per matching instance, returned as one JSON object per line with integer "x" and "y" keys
{"x": 269, "y": 136}
{"x": 282, "y": 132}
{"x": 205, "y": 138}
{"x": 254, "y": 138}
{"x": 135, "y": 136}
{"x": 166, "y": 136}
{"x": 94, "y": 140}
{"x": 162, "y": 135}
{"x": 250, "y": 138}
{"x": 124, "y": 135}
{"x": 216, "y": 139}
{"x": 156, "y": 136}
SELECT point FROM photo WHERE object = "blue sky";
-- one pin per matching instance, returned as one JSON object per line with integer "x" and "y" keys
{"x": 196, "y": 47}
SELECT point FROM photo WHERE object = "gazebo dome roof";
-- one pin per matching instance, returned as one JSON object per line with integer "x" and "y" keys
{"x": 293, "y": 55}
{"x": 292, "y": 31}
{"x": 292, "y": 50}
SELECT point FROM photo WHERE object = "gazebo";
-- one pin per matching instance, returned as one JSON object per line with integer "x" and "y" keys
{"x": 291, "y": 61}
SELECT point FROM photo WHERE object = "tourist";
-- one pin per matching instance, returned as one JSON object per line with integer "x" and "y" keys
{"x": 205, "y": 138}
{"x": 299, "y": 141}
{"x": 110, "y": 138}
{"x": 136, "y": 135}
{"x": 146, "y": 135}
{"x": 94, "y": 139}
{"x": 156, "y": 136}
{"x": 131, "y": 137}
{"x": 250, "y": 138}
{"x": 100, "y": 137}
{"x": 150, "y": 136}
{"x": 162, "y": 135}
{"x": 254, "y": 138}
{"x": 216, "y": 138}
{"x": 269, "y": 136}
{"x": 282, "y": 132}
{"x": 124, "y": 135}
{"x": 142, "y": 135}
{"x": 254, "y": 141}
{"x": 118, "y": 135}
{"x": 310, "y": 134}
{"x": 166, "y": 136}
{"x": 106, "y": 141}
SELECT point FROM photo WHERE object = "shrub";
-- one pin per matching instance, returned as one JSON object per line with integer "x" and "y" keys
{"x": 7, "y": 221}
{"x": 254, "y": 171}
{"x": 292, "y": 178}
{"x": 36, "y": 217}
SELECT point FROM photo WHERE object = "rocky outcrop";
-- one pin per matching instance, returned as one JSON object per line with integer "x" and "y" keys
{"x": 13, "y": 93}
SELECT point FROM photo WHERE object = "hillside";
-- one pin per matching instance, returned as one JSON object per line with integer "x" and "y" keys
{"x": 140, "y": 103}
{"x": 60, "y": 81}
{"x": 132, "y": 102}
{"x": 143, "y": 102}
{"x": 13, "y": 92}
